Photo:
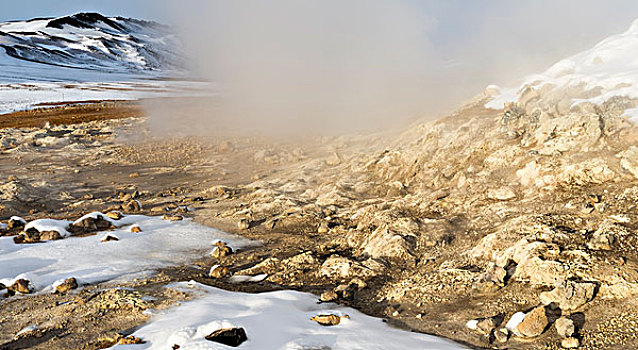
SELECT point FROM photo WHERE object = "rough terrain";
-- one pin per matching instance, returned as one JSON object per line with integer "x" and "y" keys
{"x": 477, "y": 216}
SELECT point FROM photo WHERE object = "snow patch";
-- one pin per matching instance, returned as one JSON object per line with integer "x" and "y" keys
{"x": 273, "y": 320}
{"x": 162, "y": 243}
{"x": 607, "y": 70}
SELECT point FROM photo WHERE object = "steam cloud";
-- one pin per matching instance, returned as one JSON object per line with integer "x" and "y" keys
{"x": 298, "y": 67}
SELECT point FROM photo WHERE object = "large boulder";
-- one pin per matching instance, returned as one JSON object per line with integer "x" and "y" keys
{"x": 534, "y": 323}
{"x": 341, "y": 268}
{"x": 570, "y": 295}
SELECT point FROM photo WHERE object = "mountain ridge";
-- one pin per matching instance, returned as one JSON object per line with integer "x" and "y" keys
{"x": 89, "y": 40}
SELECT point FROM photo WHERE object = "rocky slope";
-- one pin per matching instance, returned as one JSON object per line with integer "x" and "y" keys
{"x": 92, "y": 41}
{"x": 525, "y": 214}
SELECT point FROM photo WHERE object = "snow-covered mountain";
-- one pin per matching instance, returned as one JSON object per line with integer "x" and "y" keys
{"x": 606, "y": 73}
{"x": 92, "y": 41}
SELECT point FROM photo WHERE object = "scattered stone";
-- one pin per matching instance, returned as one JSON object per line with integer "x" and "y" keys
{"x": 329, "y": 296}
{"x": 67, "y": 285}
{"x": 132, "y": 206}
{"x": 569, "y": 295}
{"x": 20, "y": 286}
{"x": 328, "y": 320}
{"x": 130, "y": 340}
{"x": 501, "y": 335}
{"x": 110, "y": 238}
{"x": 218, "y": 271}
{"x": 135, "y": 229}
{"x": 134, "y": 175}
{"x": 243, "y": 224}
{"x": 171, "y": 217}
{"x": 570, "y": 343}
{"x": 228, "y": 336}
{"x": 534, "y": 323}
{"x": 564, "y": 327}
{"x": 323, "y": 228}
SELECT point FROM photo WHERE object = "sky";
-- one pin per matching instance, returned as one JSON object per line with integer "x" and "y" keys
{"x": 423, "y": 54}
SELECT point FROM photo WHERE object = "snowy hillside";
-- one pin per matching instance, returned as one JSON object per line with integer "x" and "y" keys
{"x": 583, "y": 81}
{"x": 92, "y": 41}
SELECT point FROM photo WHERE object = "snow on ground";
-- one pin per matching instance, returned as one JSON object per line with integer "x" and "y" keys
{"x": 88, "y": 259}
{"x": 272, "y": 320}
{"x": 608, "y": 69}
{"x": 24, "y": 84}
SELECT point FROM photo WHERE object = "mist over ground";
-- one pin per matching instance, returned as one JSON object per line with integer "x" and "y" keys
{"x": 332, "y": 67}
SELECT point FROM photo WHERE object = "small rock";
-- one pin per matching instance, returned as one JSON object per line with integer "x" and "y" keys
{"x": 565, "y": 327}
{"x": 90, "y": 224}
{"x": 533, "y": 323}
{"x": 134, "y": 175}
{"x": 501, "y": 194}
{"x": 115, "y": 215}
{"x": 16, "y": 223}
{"x": 323, "y": 228}
{"x": 345, "y": 291}
{"x": 496, "y": 274}
{"x": 228, "y": 336}
{"x": 132, "y": 206}
{"x": 109, "y": 238}
{"x": 67, "y": 285}
{"x": 243, "y": 224}
{"x": 50, "y": 235}
{"x": 221, "y": 250}
{"x": 131, "y": 340}
{"x": 328, "y": 320}
{"x": 170, "y": 217}
{"x": 28, "y": 236}
{"x": 329, "y": 296}
{"x": 218, "y": 271}
{"x": 135, "y": 229}
{"x": 501, "y": 335}
{"x": 487, "y": 325}
{"x": 20, "y": 286}
{"x": 570, "y": 343}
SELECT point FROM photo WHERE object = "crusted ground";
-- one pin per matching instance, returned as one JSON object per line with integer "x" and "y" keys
{"x": 477, "y": 216}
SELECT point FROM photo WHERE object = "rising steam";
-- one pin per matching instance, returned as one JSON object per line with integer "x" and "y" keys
{"x": 298, "y": 66}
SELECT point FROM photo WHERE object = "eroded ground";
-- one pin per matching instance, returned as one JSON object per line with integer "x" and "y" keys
{"x": 475, "y": 217}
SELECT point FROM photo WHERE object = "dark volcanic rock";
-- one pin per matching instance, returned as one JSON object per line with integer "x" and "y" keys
{"x": 228, "y": 336}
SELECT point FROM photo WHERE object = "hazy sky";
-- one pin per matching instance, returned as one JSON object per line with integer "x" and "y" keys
{"x": 430, "y": 55}
{"x": 469, "y": 35}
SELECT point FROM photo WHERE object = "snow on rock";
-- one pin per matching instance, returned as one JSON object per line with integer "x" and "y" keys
{"x": 273, "y": 320}
{"x": 247, "y": 278}
{"x": 162, "y": 243}
{"x": 42, "y": 225}
{"x": 514, "y": 321}
{"x": 591, "y": 77}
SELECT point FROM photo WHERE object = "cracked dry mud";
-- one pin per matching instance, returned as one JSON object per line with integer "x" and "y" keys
{"x": 477, "y": 216}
